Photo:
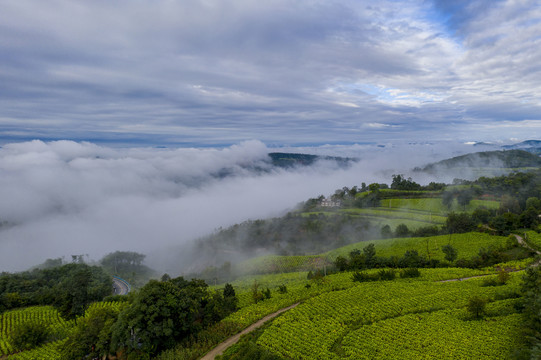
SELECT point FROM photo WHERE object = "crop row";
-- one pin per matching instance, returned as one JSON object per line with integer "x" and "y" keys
{"x": 467, "y": 245}
{"x": 434, "y": 205}
{"x": 446, "y": 334}
{"x": 397, "y": 214}
{"x": 47, "y": 315}
{"x": 35, "y": 314}
{"x": 49, "y": 351}
{"x": 320, "y": 322}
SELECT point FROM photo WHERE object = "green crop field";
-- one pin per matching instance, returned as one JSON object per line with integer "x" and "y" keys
{"x": 58, "y": 327}
{"x": 48, "y": 315}
{"x": 347, "y": 323}
{"x": 435, "y": 205}
{"x": 397, "y": 214}
{"x": 297, "y": 289}
{"x": 467, "y": 245}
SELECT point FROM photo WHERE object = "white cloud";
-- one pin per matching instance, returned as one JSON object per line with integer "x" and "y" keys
{"x": 66, "y": 198}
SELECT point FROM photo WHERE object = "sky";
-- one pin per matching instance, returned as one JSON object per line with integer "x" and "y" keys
{"x": 211, "y": 73}
{"x": 116, "y": 116}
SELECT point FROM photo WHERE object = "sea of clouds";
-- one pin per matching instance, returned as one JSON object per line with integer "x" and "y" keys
{"x": 63, "y": 198}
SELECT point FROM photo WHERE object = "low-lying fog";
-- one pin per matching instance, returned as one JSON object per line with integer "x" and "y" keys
{"x": 63, "y": 198}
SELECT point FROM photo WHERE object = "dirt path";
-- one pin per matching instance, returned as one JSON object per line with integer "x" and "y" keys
{"x": 218, "y": 350}
{"x": 522, "y": 243}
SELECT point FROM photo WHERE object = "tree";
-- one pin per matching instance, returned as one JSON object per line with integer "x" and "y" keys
{"x": 529, "y": 218}
{"x": 411, "y": 259}
{"x": 386, "y": 232}
{"x": 91, "y": 338}
{"x": 374, "y": 187}
{"x": 476, "y": 306}
{"x": 29, "y": 335}
{"x": 369, "y": 252}
{"x": 464, "y": 198}
{"x": 447, "y": 198}
{"x": 341, "y": 263}
{"x": 256, "y": 294}
{"x": 230, "y": 299}
{"x": 163, "y": 313}
{"x": 533, "y": 202}
{"x": 80, "y": 286}
{"x": 459, "y": 223}
{"x": 400, "y": 183}
{"x": 450, "y": 252}
{"x": 125, "y": 263}
{"x": 509, "y": 204}
{"x": 402, "y": 230}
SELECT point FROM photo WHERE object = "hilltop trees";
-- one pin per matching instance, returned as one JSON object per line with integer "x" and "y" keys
{"x": 401, "y": 183}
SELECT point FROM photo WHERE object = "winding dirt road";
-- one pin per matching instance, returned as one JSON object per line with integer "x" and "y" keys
{"x": 218, "y": 350}
{"x": 522, "y": 243}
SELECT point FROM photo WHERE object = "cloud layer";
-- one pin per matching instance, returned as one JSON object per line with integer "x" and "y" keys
{"x": 286, "y": 72}
{"x": 63, "y": 198}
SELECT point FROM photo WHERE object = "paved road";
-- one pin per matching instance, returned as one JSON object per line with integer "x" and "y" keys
{"x": 120, "y": 287}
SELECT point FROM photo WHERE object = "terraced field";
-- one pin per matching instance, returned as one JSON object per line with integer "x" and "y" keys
{"x": 435, "y": 205}
{"x": 384, "y": 320}
{"x": 59, "y": 329}
{"x": 467, "y": 246}
{"x": 48, "y": 315}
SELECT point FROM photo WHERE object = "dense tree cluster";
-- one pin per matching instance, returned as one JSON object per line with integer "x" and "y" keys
{"x": 127, "y": 265}
{"x": 163, "y": 313}
{"x": 70, "y": 288}
{"x": 155, "y": 318}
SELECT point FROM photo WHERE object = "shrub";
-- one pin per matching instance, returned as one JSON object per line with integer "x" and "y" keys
{"x": 361, "y": 276}
{"x": 450, "y": 252}
{"x": 386, "y": 274}
{"x": 410, "y": 273}
{"x": 29, "y": 335}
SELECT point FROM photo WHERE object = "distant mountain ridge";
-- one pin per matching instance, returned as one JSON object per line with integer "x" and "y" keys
{"x": 487, "y": 159}
{"x": 287, "y": 160}
{"x": 533, "y": 146}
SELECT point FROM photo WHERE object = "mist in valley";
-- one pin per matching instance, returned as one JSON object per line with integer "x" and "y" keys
{"x": 63, "y": 198}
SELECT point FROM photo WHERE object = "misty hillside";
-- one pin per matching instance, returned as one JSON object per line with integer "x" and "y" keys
{"x": 287, "y": 160}
{"x": 532, "y": 146}
{"x": 282, "y": 161}
{"x": 514, "y": 159}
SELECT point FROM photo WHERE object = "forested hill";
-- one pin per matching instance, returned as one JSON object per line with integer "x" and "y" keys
{"x": 289, "y": 160}
{"x": 515, "y": 159}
